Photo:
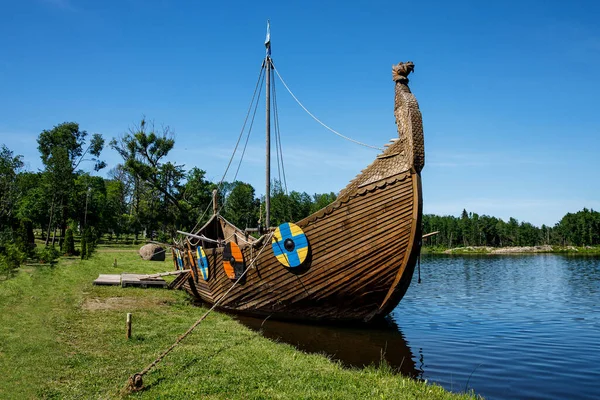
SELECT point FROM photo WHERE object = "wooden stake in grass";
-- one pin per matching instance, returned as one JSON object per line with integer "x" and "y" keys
{"x": 128, "y": 326}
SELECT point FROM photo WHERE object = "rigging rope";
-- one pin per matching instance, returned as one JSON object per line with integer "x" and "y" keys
{"x": 278, "y": 138}
{"x": 279, "y": 152}
{"x": 259, "y": 80}
{"x": 135, "y": 381}
{"x": 319, "y": 121}
{"x": 222, "y": 206}
{"x": 247, "y": 136}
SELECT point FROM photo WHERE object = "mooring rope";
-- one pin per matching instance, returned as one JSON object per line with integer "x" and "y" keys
{"x": 318, "y": 120}
{"x": 136, "y": 381}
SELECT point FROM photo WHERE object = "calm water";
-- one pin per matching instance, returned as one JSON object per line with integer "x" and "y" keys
{"x": 505, "y": 326}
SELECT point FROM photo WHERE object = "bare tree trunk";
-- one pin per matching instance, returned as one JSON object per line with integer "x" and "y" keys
{"x": 54, "y": 235}
{"x": 63, "y": 223}
{"x": 50, "y": 222}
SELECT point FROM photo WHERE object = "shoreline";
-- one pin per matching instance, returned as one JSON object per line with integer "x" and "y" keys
{"x": 66, "y": 338}
{"x": 516, "y": 250}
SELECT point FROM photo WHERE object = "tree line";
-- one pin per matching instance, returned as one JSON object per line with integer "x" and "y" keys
{"x": 471, "y": 229}
{"x": 148, "y": 196}
{"x": 144, "y": 196}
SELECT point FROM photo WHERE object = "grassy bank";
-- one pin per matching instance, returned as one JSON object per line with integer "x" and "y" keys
{"x": 62, "y": 337}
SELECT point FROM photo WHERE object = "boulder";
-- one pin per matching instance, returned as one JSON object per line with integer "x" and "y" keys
{"x": 152, "y": 252}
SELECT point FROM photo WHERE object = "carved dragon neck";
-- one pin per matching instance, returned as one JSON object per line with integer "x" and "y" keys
{"x": 404, "y": 154}
{"x": 408, "y": 117}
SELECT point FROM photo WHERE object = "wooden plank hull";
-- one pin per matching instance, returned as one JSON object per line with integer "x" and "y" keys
{"x": 363, "y": 250}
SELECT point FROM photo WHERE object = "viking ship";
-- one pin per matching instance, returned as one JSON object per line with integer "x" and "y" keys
{"x": 352, "y": 260}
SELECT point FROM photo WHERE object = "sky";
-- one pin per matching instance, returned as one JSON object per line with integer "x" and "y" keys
{"x": 509, "y": 90}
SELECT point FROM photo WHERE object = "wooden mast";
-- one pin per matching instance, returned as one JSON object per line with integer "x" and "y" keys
{"x": 268, "y": 124}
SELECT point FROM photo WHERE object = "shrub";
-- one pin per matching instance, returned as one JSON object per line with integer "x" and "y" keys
{"x": 23, "y": 238}
{"x": 164, "y": 237}
{"x": 83, "y": 244}
{"x": 88, "y": 243}
{"x": 48, "y": 255}
{"x": 11, "y": 258}
{"x": 69, "y": 242}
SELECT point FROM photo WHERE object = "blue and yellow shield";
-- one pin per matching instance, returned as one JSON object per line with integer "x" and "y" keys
{"x": 179, "y": 259}
{"x": 202, "y": 262}
{"x": 290, "y": 244}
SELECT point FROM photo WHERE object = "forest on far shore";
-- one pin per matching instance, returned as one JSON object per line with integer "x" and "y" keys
{"x": 470, "y": 229}
{"x": 148, "y": 197}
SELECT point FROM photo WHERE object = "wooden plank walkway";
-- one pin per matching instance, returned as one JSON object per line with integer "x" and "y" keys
{"x": 111, "y": 280}
{"x": 137, "y": 280}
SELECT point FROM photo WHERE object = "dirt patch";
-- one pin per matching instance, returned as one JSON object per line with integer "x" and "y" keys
{"x": 120, "y": 303}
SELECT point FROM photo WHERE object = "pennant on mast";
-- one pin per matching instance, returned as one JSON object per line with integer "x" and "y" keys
{"x": 268, "y": 38}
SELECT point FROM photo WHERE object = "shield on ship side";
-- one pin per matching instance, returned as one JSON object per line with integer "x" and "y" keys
{"x": 202, "y": 262}
{"x": 233, "y": 261}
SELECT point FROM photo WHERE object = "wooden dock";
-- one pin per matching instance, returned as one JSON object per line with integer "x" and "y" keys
{"x": 136, "y": 280}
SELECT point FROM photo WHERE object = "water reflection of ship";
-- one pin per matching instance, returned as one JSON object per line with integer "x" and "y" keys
{"x": 353, "y": 345}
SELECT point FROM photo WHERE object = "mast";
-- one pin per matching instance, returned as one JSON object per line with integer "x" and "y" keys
{"x": 268, "y": 124}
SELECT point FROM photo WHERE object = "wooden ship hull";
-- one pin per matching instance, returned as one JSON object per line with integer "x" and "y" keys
{"x": 362, "y": 248}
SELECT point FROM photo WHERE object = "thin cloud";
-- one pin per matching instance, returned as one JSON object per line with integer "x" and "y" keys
{"x": 61, "y": 4}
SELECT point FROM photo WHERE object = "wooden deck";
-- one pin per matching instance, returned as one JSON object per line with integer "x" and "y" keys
{"x": 125, "y": 280}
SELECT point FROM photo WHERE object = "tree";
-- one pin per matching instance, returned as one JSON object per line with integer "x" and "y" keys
{"x": 513, "y": 232}
{"x": 89, "y": 204}
{"x": 159, "y": 202}
{"x": 34, "y": 202}
{"x": 13, "y": 236}
{"x": 241, "y": 208}
{"x": 143, "y": 150}
{"x": 62, "y": 151}
{"x": 197, "y": 192}
{"x": 321, "y": 201}
{"x": 14, "y": 244}
{"x": 280, "y": 205}
{"x": 133, "y": 189}
{"x": 300, "y": 204}
{"x": 68, "y": 137}
{"x": 10, "y": 165}
{"x": 465, "y": 224}
{"x": 116, "y": 207}
{"x": 579, "y": 229}
{"x": 69, "y": 242}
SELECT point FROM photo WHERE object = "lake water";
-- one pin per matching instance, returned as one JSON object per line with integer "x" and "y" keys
{"x": 504, "y": 326}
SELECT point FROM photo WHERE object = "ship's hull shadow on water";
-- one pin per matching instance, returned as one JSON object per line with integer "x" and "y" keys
{"x": 354, "y": 345}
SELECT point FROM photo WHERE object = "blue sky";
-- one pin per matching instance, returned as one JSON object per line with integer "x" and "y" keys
{"x": 509, "y": 90}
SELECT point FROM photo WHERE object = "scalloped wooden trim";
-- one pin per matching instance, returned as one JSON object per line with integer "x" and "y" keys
{"x": 371, "y": 187}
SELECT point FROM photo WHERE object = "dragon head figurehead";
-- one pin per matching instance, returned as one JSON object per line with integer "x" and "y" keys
{"x": 401, "y": 70}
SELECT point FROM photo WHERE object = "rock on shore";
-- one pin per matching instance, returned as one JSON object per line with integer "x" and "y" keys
{"x": 501, "y": 250}
{"x": 152, "y": 252}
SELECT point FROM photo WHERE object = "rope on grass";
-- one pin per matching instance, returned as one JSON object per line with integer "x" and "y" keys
{"x": 136, "y": 382}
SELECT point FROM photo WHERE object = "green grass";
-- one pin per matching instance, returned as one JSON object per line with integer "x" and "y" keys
{"x": 63, "y": 338}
